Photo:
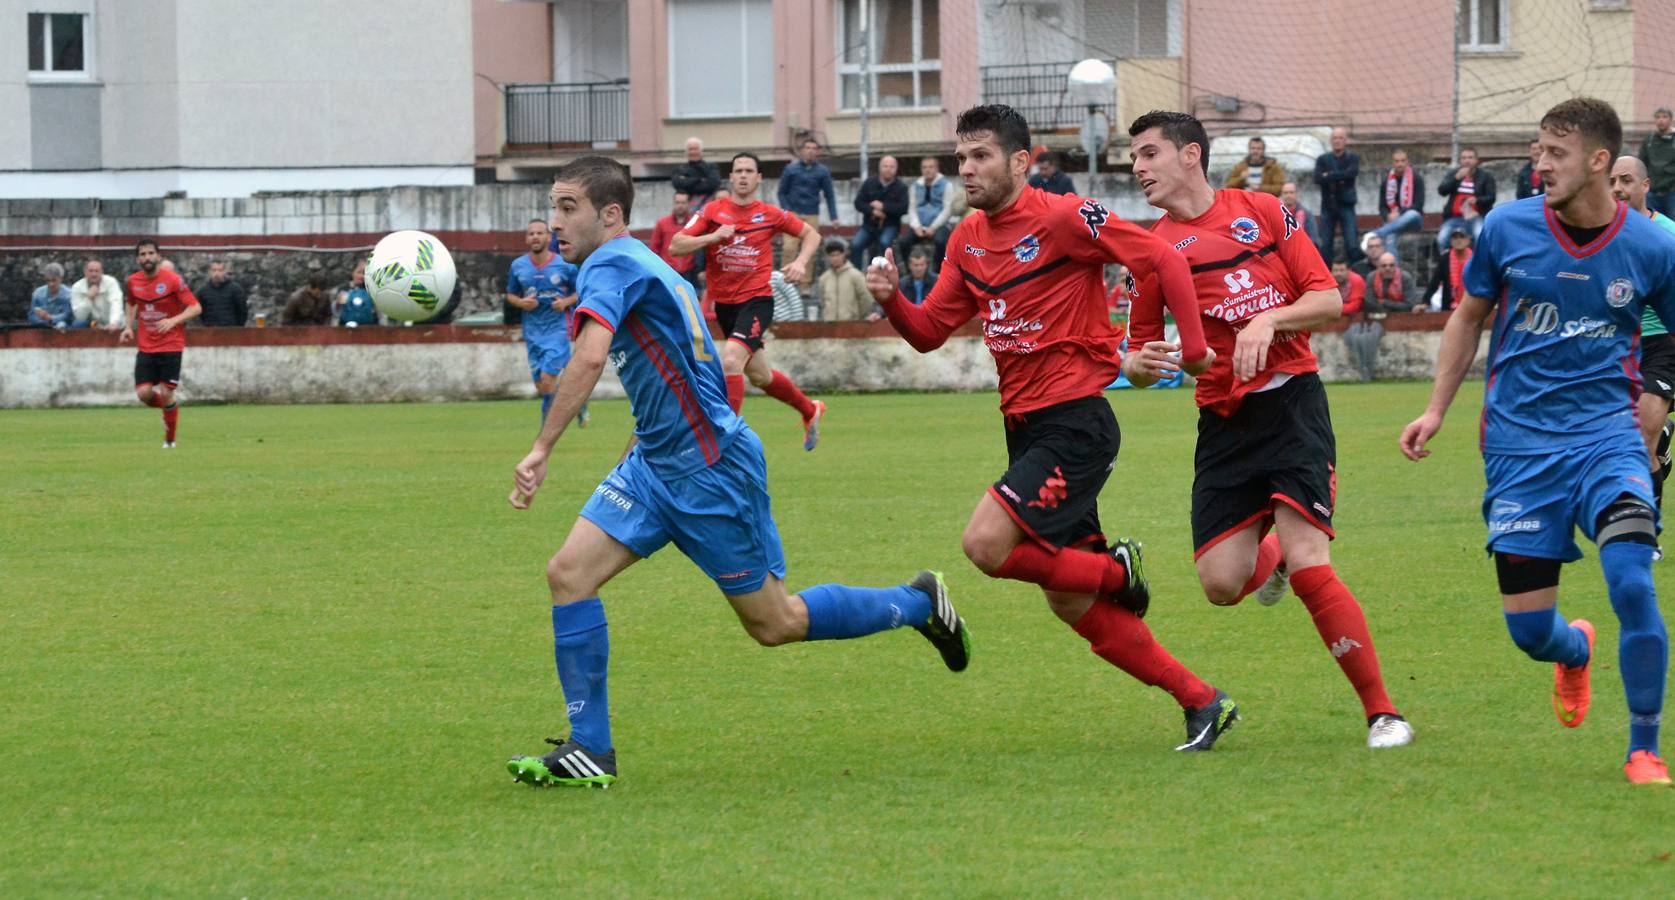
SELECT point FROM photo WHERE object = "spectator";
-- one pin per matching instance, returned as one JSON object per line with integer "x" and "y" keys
{"x": 1372, "y": 247}
{"x": 927, "y": 212}
{"x": 223, "y": 299}
{"x": 1294, "y": 205}
{"x": 51, "y": 306}
{"x": 801, "y": 185}
{"x": 700, "y": 180}
{"x": 1050, "y": 177}
{"x": 1364, "y": 332}
{"x": 1120, "y": 299}
{"x": 1529, "y": 180}
{"x": 882, "y": 201}
{"x": 1470, "y": 193}
{"x": 1350, "y": 285}
{"x": 96, "y": 300}
{"x": 1335, "y": 172}
{"x": 1256, "y": 172}
{"x": 1391, "y": 289}
{"x": 917, "y": 283}
{"x": 1658, "y": 153}
{"x": 354, "y": 301}
{"x": 1448, "y": 274}
{"x": 666, "y": 229}
{"x": 1400, "y": 201}
{"x": 843, "y": 289}
{"x": 308, "y": 305}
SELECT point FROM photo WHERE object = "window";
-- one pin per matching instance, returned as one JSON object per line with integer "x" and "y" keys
{"x": 1482, "y": 25}
{"x": 58, "y": 45}
{"x": 906, "y": 37}
{"x": 721, "y": 57}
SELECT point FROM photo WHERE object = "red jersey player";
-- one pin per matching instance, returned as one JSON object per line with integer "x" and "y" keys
{"x": 1030, "y": 266}
{"x": 1266, "y": 452}
{"x": 159, "y": 305}
{"x": 738, "y": 233}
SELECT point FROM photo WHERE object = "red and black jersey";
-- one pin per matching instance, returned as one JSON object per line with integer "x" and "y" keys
{"x": 1248, "y": 255}
{"x": 740, "y": 269}
{"x": 158, "y": 297}
{"x": 1034, "y": 274}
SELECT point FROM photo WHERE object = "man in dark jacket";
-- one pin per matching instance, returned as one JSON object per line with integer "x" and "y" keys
{"x": 1529, "y": 181}
{"x": 700, "y": 180}
{"x": 308, "y": 305}
{"x": 1335, "y": 173}
{"x": 1469, "y": 193}
{"x": 1658, "y": 153}
{"x": 882, "y": 201}
{"x": 223, "y": 299}
{"x": 1050, "y": 176}
{"x": 801, "y": 186}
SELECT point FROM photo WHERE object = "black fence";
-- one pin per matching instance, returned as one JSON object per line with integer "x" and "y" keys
{"x": 1041, "y": 92}
{"x": 554, "y": 114}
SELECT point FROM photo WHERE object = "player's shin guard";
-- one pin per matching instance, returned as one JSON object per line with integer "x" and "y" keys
{"x": 582, "y": 650}
{"x": 1544, "y": 635}
{"x": 1121, "y": 639}
{"x": 735, "y": 392}
{"x": 1268, "y": 557}
{"x": 1643, "y": 645}
{"x": 171, "y": 419}
{"x": 1338, "y": 617}
{"x": 838, "y": 611}
{"x": 1069, "y": 571}
{"x": 785, "y": 390}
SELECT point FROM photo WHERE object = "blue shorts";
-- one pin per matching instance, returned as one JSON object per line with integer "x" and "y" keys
{"x": 547, "y": 360}
{"x": 1533, "y": 504}
{"x": 718, "y": 516}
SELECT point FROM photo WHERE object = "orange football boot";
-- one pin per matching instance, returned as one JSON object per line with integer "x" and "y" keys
{"x": 1644, "y": 767}
{"x": 1571, "y": 693}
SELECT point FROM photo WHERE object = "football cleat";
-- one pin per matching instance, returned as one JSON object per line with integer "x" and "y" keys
{"x": 944, "y": 629}
{"x": 168, "y": 445}
{"x": 568, "y": 764}
{"x": 811, "y": 426}
{"x": 1571, "y": 693}
{"x": 581, "y": 418}
{"x": 1273, "y": 590}
{"x": 1206, "y": 723}
{"x": 1136, "y": 595}
{"x": 1645, "y": 767}
{"x": 1388, "y": 730}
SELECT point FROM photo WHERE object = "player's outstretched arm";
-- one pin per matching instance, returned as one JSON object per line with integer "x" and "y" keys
{"x": 686, "y": 243}
{"x": 587, "y": 361}
{"x": 925, "y": 327}
{"x": 798, "y": 267}
{"x": 1459, "y": 347}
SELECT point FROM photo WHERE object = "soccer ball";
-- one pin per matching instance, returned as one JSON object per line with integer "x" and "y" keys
{"x": 410, "y": 276}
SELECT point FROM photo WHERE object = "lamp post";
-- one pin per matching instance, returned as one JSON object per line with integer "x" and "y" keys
{"x": 1092, "y": 82}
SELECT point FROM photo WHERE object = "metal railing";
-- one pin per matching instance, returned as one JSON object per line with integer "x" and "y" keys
{"x": 577, "y": 114}
{"x": 1041, "y": 92}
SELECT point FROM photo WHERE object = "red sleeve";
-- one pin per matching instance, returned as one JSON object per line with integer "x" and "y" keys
{"x": 790, "y": 224}
{"x": 1145, "y": 313}
{"x": 1354, "y": 294}
{"x": 950, "y": 305}
{"x": 1095, "y": 235}
{"x": 1301, "y": 257}
{"x": 183, "y": 293}
{"x": 700, "y": 224}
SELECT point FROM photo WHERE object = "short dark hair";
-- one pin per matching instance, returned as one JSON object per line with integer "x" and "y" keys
{"x": 837, "y": 245}
{"x": 1051, "y": 156}
{"x": 746, "y": 154}
{"x": 1340, "y": 260}
{"x": 536, "y": 221}
{"x": 143, "y": 243}
{"x": 808, "y": 139}
{"x": 1470, "y": 149}
{"x": 1591, "y": 118}
{"x": 1008, "y": 126}
{"x": 1178, "y": 128}
{"x": 918, "y": 254}
{"x": 317, "y": 281}
{"x": 1257, "y": 139}
{"x": 603, "y": 180}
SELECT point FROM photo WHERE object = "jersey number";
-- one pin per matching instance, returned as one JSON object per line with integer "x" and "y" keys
{"x": 696, "y": 320}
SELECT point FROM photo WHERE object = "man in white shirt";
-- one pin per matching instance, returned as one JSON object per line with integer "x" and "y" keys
{"x": 96, "y": 300}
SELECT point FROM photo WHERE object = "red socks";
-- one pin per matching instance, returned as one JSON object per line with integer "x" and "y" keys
{"x": 1070, "y": 571}
{"x": 1121, "y": 639}
{"x": 1267, "y": 559}
{"x": 735, "y": 392}
{"x": 171, "y": 417}
{"x": 1338, "y": 618}
{"x": 785, "y": 391}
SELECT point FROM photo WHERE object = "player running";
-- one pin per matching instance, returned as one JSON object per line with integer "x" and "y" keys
{"x": 159, "y": 305}
{"x": 1266, "y": 453}
{"x": 1566, "y": 277}
{"x": 1030, "y": 265}
{"x": 544, "y": 287}
{"x": 741, "y": 229}
{"x": 1629, "y": 184}
{"x": 694, "y": 475}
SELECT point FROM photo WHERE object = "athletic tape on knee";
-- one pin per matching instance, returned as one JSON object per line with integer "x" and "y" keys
{"x": 1627, "y": 519}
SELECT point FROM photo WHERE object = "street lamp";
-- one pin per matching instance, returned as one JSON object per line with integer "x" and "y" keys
{"x": 1092, "y": 82}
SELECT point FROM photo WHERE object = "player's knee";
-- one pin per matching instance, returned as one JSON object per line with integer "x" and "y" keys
{"x": 986, "y": 553}
{"x": 760, "y": 380}
{"x": 566, "y": 580}
{"x": 734, "y": 356}
{"x": 772, "y": 632}
{"x": 1222, "y": 593}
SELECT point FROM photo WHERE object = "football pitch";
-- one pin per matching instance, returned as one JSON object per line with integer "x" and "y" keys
{"x": 292, "y": 656}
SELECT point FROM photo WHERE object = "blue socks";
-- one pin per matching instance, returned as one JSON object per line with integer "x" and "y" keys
{"x": 546, "y": 404}
{"x": 581, "y": 648}
{"x": 1643, "y": 644}
{"x": 837, "y": 611}
{"x": 1545, "y": 636}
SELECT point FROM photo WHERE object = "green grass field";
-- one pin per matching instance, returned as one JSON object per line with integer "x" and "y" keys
{"x": 292, "y": 656}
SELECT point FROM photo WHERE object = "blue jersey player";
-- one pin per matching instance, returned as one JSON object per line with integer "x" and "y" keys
{"x": 1565, "y": 277}
{"x": 544, "y": 287}
{"x": 694, "y": 475}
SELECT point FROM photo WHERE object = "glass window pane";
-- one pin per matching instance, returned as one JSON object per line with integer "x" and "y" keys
{"x": 894, "y": 40}
{"x": 895, "y": 90}
{"x": 759, "y": 61}
{"x": 703, "y": 82}
{"x": 930, "y": 89}
{"x": 930, "y": 41}
{"x": 849, "y": 41}
{"x": 1462, "y": 24}
{"x": 1489, "y": 21}
{"x": 37, "y": 42}
{"x": 67, "y": 42}
{"x": 851, "y": 92}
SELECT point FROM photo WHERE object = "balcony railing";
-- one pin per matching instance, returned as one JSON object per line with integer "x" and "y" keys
{"x": 1041, "y": 92}
{"x": 567, "y": 114}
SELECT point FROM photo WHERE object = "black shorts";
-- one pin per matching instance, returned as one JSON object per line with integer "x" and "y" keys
{"x": 746, "y": 322}
{"x": 1277, "y": 448}
{"x": 1060, "y": 457}
{"x": 157, "y": 368}
{"x": 1657, "y": 365}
